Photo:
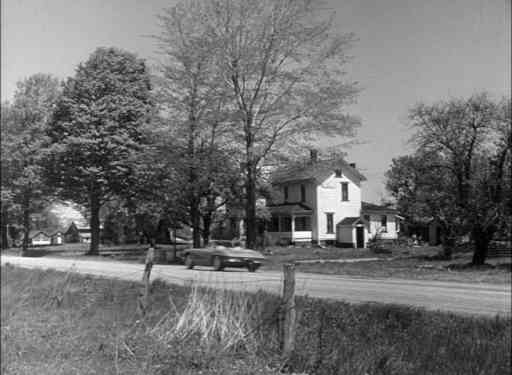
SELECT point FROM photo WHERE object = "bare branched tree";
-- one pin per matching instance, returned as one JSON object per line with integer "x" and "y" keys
{"x": 460, "y": 173}
{"x": 282, "y": 70}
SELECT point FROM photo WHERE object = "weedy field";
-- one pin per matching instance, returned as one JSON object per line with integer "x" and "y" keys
{"x": 59, "y": 323}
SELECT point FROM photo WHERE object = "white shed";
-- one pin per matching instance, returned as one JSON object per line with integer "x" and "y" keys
{"x": 352, "y": 232}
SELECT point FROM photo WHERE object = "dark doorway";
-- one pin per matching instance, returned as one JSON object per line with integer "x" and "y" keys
{"x": 360, "y": 237}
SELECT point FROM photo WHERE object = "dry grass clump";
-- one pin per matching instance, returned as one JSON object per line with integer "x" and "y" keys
{"x": 216, "y": 319}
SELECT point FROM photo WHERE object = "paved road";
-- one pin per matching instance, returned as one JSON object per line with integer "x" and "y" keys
{"x": 463, "y": 298}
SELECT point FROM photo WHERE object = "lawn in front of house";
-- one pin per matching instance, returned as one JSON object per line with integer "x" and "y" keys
{"x": 498, "y": 271}
{"x": 278, "y": 255}
{"x": 125, "y": 252}
{"x": 417, "y": 263}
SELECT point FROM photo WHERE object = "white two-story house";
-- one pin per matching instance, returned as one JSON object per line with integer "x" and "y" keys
{"x": 319, "y": 201}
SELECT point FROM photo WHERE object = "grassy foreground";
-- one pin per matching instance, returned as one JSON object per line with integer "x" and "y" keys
{"x": 58, "y": 323}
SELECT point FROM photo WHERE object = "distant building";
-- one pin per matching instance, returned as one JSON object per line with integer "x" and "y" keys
{"x": 39, "y": 238}
{"x": 79, "y": 234}
{"x": 57, "y": 238}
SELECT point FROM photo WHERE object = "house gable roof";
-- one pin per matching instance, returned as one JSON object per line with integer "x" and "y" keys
{"x": 80, "y": 229}
{"x": 318, "y": 171}
{"x": 288, "y": 208}
{"x": 351, "y": 221}
{"x": 34, "y": 233}
{"x": 72, "y": 228}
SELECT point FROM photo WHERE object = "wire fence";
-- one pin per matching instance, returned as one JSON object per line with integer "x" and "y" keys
{"x": 269, "y": 317}
{"x": 219, "y": 280}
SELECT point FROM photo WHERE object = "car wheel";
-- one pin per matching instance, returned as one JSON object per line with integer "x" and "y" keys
{"x": 217, "y": 264}
{"x": 252, "y": 267}
{"x": 188, "y": 262}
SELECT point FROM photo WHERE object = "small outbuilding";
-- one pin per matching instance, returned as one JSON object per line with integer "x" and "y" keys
{"x": 57, "y": 238}
{"x": 352, "y": 232}
{"x": 383, "y": 222}
{"x": 39, "y": 238}
{"x": 77, "y": 233}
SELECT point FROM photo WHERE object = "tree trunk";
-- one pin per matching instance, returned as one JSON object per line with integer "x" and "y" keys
{"x": 207, "y": 223}
{"x": 481, "y": 239}
{"x": 4, "y": 228}
{"x": 26, "y": 225}
{"x": 250, "y": 207}
{"x": 174, "y": 248}
{"x": 195, "y": 218}
{"x": 448, "y": 245}
{"x": 95, "y": 225}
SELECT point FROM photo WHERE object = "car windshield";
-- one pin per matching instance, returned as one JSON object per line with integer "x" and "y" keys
{"x": 223, "y": 244}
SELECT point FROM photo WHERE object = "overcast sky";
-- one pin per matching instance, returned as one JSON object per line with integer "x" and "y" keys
{"x": 408, "y": 51}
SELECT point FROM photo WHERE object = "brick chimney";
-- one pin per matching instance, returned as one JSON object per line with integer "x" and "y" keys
{"x": 313, "y": 154}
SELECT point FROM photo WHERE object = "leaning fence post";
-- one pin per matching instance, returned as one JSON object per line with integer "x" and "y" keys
{"x": 144, "y": 302}
{"x": 289, "y": 309}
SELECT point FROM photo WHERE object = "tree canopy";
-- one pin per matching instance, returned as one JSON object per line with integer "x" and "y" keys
{"x": 460, "y": 172}
{"x": 24, "y": 126}
{"x": 96, "y": 130}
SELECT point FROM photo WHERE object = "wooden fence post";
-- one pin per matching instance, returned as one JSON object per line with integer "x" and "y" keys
{"x": 289, "y": 310}
{"x": 144, "y": 301}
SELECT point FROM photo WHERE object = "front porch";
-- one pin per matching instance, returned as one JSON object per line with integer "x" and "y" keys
{"x": 290, "y": 224}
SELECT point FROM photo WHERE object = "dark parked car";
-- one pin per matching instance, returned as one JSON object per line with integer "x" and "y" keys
{"x": 221, "y": 257}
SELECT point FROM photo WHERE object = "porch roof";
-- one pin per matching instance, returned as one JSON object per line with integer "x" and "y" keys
{"x": 351, "y": 221}
{"x": 290, "y": 208}
{"x": 34, "y": 233}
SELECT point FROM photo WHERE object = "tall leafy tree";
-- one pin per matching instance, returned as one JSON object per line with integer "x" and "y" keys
{"x": 282, "y": 67}
{"x": 165, "y": 192}
{"x": 423, "y": 190}
{"x": 489, "y": 208}
{"x": 23, "y": 147}
{"x": 6, "y": 119}
{"x": 97, "y": 131}
{"x": 197, "y": 143}
{"x": 460, "y": 173}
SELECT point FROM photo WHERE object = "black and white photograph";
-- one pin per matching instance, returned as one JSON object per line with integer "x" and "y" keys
{"x": 256, "y": 187}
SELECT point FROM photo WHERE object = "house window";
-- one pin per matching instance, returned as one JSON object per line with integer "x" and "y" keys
{"x": 286, "y": 224}
{"x": 367, "y": 218}
{"x": 274, "y": 224}
{"x": 286, "y": 193}
{"x": 397, "y": 224}
{"x": 384, "y": 223}
{"x": 330, "y": 222}
{"x": 302, "y": 193}
{"x": 344, "y": 191}
{"x": 302, "y": 223}
{"x": 338, "y": 173}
